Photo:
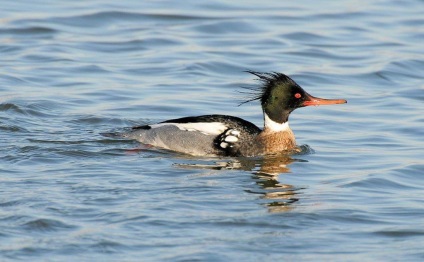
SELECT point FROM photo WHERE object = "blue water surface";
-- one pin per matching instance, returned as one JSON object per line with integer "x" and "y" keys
{"x": 71, "y": 70}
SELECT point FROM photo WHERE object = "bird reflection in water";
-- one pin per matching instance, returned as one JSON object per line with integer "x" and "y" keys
{"x": 276, "y": 196}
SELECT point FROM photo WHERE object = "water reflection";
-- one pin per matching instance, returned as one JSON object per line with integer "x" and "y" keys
{"x": 276, "y": 196}
{"x": 266, "y": 172}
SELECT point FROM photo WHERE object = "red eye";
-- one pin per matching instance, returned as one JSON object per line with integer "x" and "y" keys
{"x": 297, "y": 95}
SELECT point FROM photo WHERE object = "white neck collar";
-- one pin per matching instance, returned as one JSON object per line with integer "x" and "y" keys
{"x": 274, "y": 126}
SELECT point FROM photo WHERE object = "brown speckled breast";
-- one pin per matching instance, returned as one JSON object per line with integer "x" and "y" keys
{"x": 274, "y": 142}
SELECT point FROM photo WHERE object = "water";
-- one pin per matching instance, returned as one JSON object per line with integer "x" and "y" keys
{"x": 71, "y": 70}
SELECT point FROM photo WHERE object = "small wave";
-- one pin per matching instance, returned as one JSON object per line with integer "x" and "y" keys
{"x": 43, "y": 224}
{"x": 12, "y": 203}
{"x": 305, "y": 150}
{"x": 28, "y": 31}
{"x": 11, "y": 107}
{"x": 106, "y": 17}
{"x": 401, "y": 233}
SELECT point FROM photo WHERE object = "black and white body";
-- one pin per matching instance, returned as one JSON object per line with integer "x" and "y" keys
{"x": 209, "y": 135}
{"x": 222, "y": 135}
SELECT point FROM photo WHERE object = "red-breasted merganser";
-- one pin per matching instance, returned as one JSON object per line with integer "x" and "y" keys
{"x": 222, "y": 135}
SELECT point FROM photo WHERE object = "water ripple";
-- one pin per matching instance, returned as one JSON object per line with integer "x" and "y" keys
{"x": 71, "y": 71}
{"x": 45, "y": 225}
{"x": 28, "y": 31}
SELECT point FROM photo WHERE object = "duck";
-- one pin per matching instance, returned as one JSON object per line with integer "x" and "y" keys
{"x": 231, "y": 136}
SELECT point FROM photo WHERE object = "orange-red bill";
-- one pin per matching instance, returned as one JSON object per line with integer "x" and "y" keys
{"x": 316, "y": 101}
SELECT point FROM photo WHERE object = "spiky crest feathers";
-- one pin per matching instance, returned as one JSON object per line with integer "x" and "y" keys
{"x": 268, "y": 80}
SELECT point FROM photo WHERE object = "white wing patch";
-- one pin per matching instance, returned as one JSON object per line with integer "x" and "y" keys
{"x": 229, "y": 138}
{"x": 212, "y": 128}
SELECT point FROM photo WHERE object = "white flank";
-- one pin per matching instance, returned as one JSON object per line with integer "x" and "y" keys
{"x": 212, "y": 128}
{"x": 274, "y": 126}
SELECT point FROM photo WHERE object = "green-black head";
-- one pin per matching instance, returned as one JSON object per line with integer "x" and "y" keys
{"x": 280, "y": 95}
